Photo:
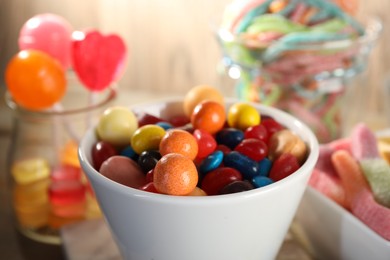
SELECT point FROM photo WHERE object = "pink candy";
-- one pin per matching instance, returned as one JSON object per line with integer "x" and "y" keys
{"x": 346, "y": 172}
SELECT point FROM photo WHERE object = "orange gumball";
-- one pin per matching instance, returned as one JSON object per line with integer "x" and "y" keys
{"x": 198, "y": 94}
{"x": 179, "y": 141}
{"x": 209, "y": 116}
{"x": 175, "y": 174}
{"x": 35, "y": 80}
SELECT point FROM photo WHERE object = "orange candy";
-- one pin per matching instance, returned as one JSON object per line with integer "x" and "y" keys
{"x": 198, "y": 94}
{"x": 209, "y": 116}
{"x": 175, "y": 174}
{"x": 35, "y": 80}
{"x": 179, "y": 141}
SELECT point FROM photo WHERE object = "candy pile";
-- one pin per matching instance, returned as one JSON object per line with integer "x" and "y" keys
{"x": 295, "y": 55}
{"x": 352, "y": 172}
{"x": 207, "y": 150}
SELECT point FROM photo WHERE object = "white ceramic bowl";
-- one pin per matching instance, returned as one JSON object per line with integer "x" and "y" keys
{"x": 249, "y": 225}
{"x": 330, "y": 232}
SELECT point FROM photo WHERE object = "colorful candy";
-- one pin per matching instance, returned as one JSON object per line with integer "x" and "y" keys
{"x": 206, "y": 143}
{"x": 208, "y": 116}
{"x": 147, "y": 137}
{"x": 123, "y": 170}
{"x": 35, "y": 80}
{"x": 351, "y": 173}
{"x": 242, "y": 116}
{"x": 198, "y": 94}
{"x": 48, "y": 33}
{"x": 375, "y": 168}
{"x": 117, "y": 125}
{"x": 30, "y": 170}
{"x": 98, "y": 60}
{"x": 219, "y": 152}
{"x": 175, "y": 174}
{"x": 295, "y": 55}
{"x": 179, "y": 141}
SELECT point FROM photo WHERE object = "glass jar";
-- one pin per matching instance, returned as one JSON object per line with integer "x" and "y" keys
{"x": 48, "y": 187}
{"x": 307, "y": 80}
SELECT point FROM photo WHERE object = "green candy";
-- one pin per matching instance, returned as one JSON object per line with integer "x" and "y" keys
{"x": 297, "y": 40}
{"x": 377, "y": 173}
{"x": 333, "y": 25}
{"x": 276, "y": 23}
{"x": 335, "y": 11}
{"x": 252, "y": 14}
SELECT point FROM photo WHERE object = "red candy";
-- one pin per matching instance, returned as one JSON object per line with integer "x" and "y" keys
{"x": 215, "y": 180}
{"x": 282, "y": 167}
{"x": 253, "y": 148}
{"x": 258, "y": 132}
{"x": 177, "y": 121}
{"x": 66, "y": 192}
{"x": 271, "y": 125}
{"x": 147, "y": 119}
{"x": 206, "y": 143}
{"x": 66, "y": 173}
{"x": 101, "y": 151}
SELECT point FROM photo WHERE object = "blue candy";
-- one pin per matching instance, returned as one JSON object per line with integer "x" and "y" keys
{"x": 261, "y": 181}
{"x": 230, "y": 137}
{"x": 165, "y": 125}
{"x": 129, "y": 152}
{"x": 264, "y": 167}
{"x": 245, "y": 165}
{"x": 211, "y": 162}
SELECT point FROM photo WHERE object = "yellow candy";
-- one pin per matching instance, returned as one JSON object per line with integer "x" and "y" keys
{"x": 117, "y": 125}
{"x": 384, "y": 148}
{"x": 31, "y": 194}
{"x": 197, "y": 192}
{"x": 30, "y": 170}
{"x": 33, "y": 217}
{"x": 242, "y": 116}
{"x": 147, "y": 137}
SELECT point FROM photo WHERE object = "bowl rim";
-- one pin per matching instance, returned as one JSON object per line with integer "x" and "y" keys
{"x": 333, "y": 206}
{"x": 311, "y": 141}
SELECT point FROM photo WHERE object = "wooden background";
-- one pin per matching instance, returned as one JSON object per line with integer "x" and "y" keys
{"x": 171, "y": 43}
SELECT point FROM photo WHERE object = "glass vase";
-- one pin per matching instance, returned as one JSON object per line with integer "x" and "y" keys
{"x": 49, "y": 189}
{"x": 308, "y": 80}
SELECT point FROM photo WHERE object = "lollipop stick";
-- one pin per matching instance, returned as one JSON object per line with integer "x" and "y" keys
{"x": 92, "y": 100}
{"x": 68, "y": 126}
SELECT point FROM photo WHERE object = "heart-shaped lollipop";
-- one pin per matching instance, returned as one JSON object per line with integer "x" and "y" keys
{"x": 98, "y": 59}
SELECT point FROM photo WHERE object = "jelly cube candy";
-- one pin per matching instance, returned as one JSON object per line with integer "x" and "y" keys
{"x": 30, "y": 170}
{"x": 375, "y": 169}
